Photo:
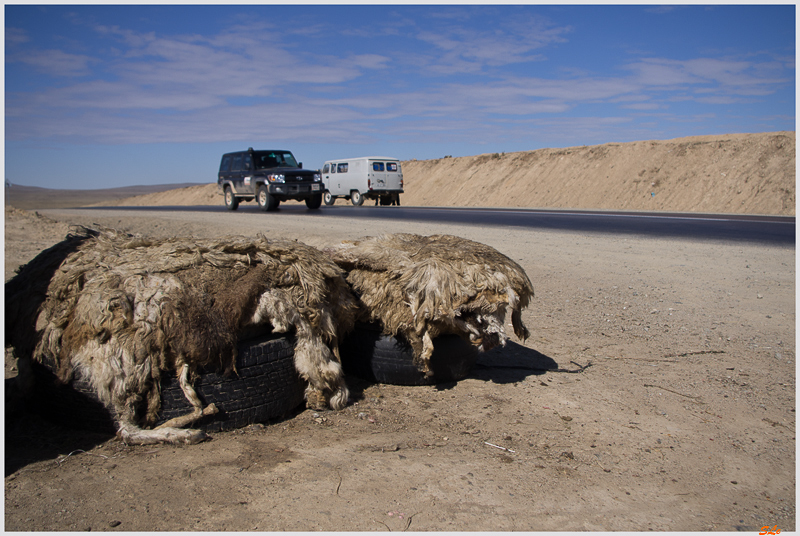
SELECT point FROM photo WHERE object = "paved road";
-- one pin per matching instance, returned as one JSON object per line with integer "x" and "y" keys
{"x": 766, "y": 229}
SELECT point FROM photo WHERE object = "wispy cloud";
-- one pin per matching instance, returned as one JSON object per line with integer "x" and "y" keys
{"x": 454, "y": 76}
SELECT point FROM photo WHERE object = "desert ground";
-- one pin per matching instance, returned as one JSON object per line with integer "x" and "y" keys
{"x": 657, "y": 392}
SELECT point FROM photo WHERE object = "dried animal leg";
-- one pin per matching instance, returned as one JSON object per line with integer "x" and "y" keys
{"x": 194, "y": 400}
{"x": 133, "y": 435}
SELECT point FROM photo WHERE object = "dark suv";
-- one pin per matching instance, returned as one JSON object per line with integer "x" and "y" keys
{"x": 269, "y": 177}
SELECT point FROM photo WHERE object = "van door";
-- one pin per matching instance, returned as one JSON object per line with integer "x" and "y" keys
{"x": 342, "y": 180}
{"x": 377, "y": 174}
{"x": 394, "y": 176}
{"x": 332, "y": 179}
{"x": 326, "y": 176}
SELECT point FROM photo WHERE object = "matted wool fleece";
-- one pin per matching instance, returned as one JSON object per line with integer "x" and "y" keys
{"x": 125, "y": 309}
{"x": 426, "y": 286}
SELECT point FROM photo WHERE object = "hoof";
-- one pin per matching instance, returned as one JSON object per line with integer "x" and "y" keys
{"x": 315, "y": 399}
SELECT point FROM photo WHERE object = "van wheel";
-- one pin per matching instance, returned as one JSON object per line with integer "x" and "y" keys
{"x": 231, "y": 201}
{"x": 314, "y": 201}
{"x": 266, "y": 201}
{"x": 356, "y": 198}
{"x": 328, "y": 198}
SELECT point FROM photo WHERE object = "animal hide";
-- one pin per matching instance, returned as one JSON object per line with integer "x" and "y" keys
{"x": 125, "y": 309}
{"x": 425, "y": 286}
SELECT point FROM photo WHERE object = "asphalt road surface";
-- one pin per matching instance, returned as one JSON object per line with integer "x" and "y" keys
{"x": 726, "y": 227}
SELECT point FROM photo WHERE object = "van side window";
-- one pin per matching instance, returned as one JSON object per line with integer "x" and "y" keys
{"x": 391, "y": 166}
{"x": 377, "y": 166}
{"x": 226, "y": 163}
{"x": 342, "y": 168}
{"x": 325, "y": 168}
{"x": 237, "y": 163}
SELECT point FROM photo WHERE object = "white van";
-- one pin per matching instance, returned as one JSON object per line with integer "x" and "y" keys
{"x": 367, "y": 177}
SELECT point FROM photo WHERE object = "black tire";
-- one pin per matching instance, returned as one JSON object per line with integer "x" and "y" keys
{"x": 266, "y": 202}
{"x": 267, "y": 387}
{"x": 370, "y": 354}
{"x": 356, "y": 198}
{"x": 231, "y": 201}
{"x": 328, "y": 198}
{"x": 314, "y": 202}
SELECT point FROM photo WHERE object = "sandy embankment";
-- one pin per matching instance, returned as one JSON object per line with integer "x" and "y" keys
{"x": 736, "y": 173}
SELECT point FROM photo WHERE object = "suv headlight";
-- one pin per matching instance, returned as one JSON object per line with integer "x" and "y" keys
{"x": 317, "y": 177}
{"x": 277, "y": 177}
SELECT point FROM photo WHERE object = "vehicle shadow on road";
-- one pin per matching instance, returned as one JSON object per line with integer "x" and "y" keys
{"x": 512, "y": 363}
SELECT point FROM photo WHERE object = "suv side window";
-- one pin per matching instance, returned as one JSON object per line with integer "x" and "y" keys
{"x": 237, "y": 162}
{"x": 247, "y": 163}
{"x": 226, "y": 163}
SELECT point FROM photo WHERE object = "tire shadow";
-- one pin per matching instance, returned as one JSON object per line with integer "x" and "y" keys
{"x": 510, "y": 364}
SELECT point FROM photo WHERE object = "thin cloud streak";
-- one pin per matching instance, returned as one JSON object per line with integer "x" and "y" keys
{"x": 451, "y": 78}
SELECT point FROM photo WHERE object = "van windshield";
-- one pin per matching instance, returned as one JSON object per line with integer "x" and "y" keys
{"x": 272, "y": 159}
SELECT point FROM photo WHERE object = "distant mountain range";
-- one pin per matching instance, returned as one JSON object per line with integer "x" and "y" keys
{"x": 32, "y": 197}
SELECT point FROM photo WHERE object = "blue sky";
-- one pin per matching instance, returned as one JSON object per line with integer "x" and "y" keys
{"x": 105, "y": 96}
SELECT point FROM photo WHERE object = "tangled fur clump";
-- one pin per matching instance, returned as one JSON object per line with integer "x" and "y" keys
{"x": 426, "y": 286}
{"x": 125, "y": 309}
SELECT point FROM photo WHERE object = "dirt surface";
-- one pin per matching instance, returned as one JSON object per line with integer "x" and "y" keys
{"x": 734, "y": 174}
{"x": 671, "y": 406}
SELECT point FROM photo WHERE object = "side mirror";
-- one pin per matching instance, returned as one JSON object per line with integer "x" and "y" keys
{"x": 300, "y": 165}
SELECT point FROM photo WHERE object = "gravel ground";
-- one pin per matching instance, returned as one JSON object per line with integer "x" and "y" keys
{"x": 673, "y": 408}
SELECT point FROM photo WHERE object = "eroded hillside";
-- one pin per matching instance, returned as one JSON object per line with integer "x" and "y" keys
{"x": 737, "y": 173}
{"x": 742, "y": 173}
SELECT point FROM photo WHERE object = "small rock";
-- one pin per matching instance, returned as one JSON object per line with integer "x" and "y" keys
{"x": 115, "y": 524}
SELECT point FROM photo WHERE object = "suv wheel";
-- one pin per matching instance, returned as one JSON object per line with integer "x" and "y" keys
{"x": 356, "y": 198}
{"x": 231, "y": 201}
{"x": 266, "y": 201}
{"x": 314, "y": 201}
{"x": 328, "y": 198}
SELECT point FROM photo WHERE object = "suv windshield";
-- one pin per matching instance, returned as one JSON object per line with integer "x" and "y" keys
{"x": 271, "y": 159}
